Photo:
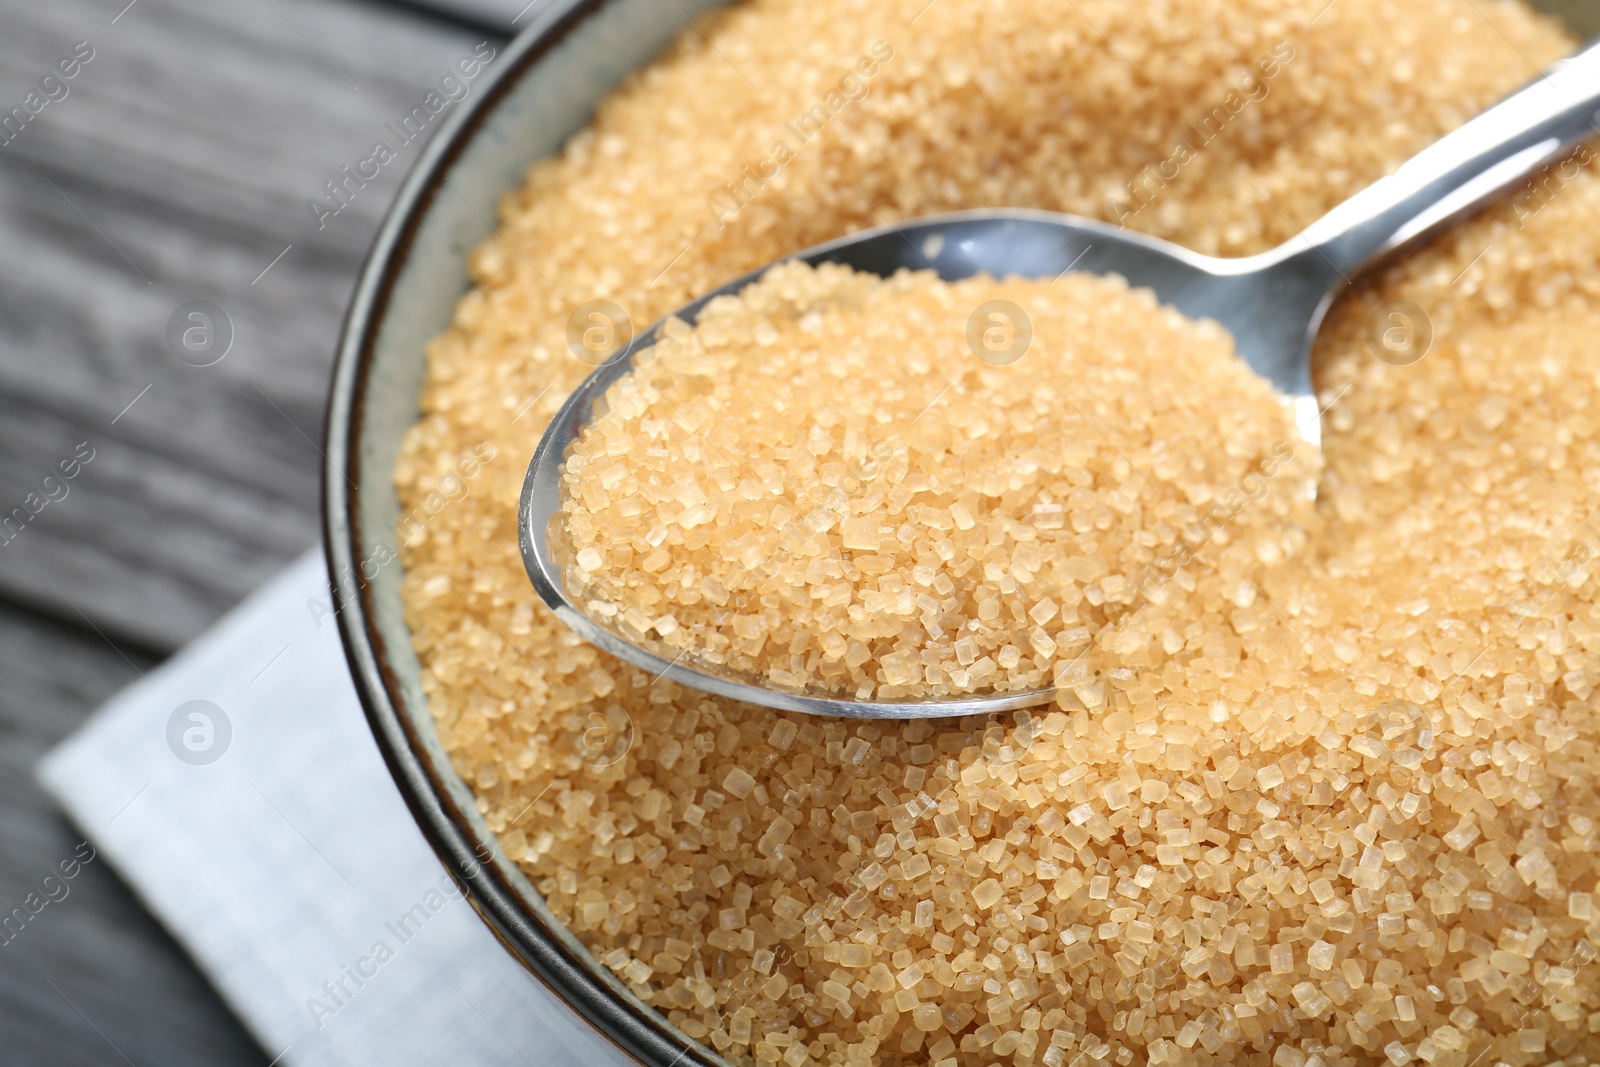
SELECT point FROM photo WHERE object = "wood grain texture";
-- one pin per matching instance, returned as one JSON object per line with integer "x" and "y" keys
{"x": 178, "y": 167}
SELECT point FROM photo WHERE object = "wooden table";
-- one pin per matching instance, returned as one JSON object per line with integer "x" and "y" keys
{"x": 177, "y": 167}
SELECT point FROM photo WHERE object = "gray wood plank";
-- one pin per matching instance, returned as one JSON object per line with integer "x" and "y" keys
{"x": 178, "y": 167}
{"x": 91, "y": 978}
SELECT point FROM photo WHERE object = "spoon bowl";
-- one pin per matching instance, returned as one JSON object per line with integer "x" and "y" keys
{"x": 1272, "y": 303}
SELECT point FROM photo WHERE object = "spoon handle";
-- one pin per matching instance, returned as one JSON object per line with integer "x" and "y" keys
{"x": 1465, "y": 169}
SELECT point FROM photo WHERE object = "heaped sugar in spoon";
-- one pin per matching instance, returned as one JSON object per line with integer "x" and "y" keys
{"x": 841, "y": 484}
{"x": 1271, "y": 304}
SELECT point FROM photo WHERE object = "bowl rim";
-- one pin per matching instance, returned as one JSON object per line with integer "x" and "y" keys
{"x": 639, "y": 1033}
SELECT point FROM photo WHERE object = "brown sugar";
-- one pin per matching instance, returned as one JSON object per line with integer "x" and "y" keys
{"x": 832, "y": 484}
{"x": 1350, "y": 817}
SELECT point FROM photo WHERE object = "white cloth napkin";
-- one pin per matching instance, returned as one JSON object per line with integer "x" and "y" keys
{"x": 272, "y": 842}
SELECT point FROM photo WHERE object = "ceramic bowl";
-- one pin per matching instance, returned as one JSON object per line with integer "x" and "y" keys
{"x": 537, "y": 93}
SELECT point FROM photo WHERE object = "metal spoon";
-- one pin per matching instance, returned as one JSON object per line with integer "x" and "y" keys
{"x": 1272, "y": 303}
